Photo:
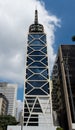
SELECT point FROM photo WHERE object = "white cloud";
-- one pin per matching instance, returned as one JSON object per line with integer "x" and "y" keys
{"x": 15, "y": 18}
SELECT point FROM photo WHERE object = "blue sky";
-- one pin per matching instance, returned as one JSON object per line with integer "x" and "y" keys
{"x": 65, "y": 10}
{"x": 58, "y": 18}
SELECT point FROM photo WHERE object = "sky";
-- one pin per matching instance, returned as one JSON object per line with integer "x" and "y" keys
{"x": 58, "y": 18}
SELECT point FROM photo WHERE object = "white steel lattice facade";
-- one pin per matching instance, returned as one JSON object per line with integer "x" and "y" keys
{"x": 37, "y": 104}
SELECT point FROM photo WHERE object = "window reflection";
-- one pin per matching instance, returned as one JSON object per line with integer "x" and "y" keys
{"x": 37, "y": 77}
{"x": 37, "y": 92}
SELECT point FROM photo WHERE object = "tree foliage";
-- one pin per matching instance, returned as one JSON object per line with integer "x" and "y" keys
{"x": 59, "y": 128}
{"x": 6, "y": 120}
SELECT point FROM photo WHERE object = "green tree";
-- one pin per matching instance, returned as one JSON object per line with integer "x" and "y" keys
{"x": 59, "y": 128}
{"x": 6, "y": 120}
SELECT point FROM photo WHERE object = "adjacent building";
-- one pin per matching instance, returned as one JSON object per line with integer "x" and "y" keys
{"x": 3, "y": 105}
{"x": 20, "y": 119}
{"x": 63, "y": 91}
{"x": 10, "y": 91}
{"x": 19, "y": 110}
{"x": 37, "y": 100}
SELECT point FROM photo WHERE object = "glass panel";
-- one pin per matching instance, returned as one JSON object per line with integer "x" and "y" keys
{"x": 33, "y": 119}
{"x": 37, "y": 92}
{"x": 29, "y": 61}
{"x": 43, "y": 38}
{"x": 37, "y": 110}
{"x": 30, "y": 105}
{"x": 26, "y": 114}
{"x": 44, "y": 50}
{"x": 34, "y": 116}
{"x": 28, "y": 88}
{"x": 33, "y": 124}
{"x": 25, "y": 119}
{"x": 37, "y": 83}
{"x": 37, "y": 43}
{"x": 37, "y": 77}
{"x": 37, "y": 70}
{"x": 29, "y": 50}
{"x": 36, "y": 64}
{"x": 46, "y": 88}
{"x": 45, "y": 73}
{"x": 37, "y": 53}
{"x": 30, "y": 38}
{"x": 30, "y": 99}
{"x": 45, "y": 61}
{"x": 37, "y": 47}
{"x": 38, "y": 58}
{"x": 28, "y": 73}
{"x": 36, "y": 35}
{"x": 26, "y": 108}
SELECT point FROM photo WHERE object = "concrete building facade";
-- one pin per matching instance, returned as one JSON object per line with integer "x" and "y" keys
{"x": 63, "y": 92}
{"x": 3, "y": 105}
{"x": 10, "y": 91}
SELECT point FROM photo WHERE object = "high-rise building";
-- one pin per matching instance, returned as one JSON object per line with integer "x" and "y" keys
{"x": 3, "y": 104}
{"x": 63, "y": 92}
{"x": 10, "y": 91}
{"x": 19, "y": 110}
{"x": 37, "y": 100}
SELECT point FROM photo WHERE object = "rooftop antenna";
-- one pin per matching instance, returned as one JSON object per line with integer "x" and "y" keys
{"x": 36, "y": 16}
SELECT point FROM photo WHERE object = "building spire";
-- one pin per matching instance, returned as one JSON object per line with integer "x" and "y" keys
{"x": 36, "y": 17}
{"x": 36, "y": 27}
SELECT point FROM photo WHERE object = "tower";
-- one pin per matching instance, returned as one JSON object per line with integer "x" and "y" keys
{"x": 37, "y": 102}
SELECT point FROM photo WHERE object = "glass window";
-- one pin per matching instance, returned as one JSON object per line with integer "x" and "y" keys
{"x": 28, "y": 73}
{"x": 45, "y": 73}
{"x": 29, "y": 61}
{"x": 37, "y": 43}
{"x": 25, "y": 106}
{"x": 43, "y": 38}
{"x": 32, "y": 124}
{"x": 37, "y": 47}
{"x": 37, "y": 53}
{"x": 37, "y": 77}
{"x": 26, "y": 114}
{"x": 36, "y": 35}
{"x": 30, "y": 99}
{"x": 37, "y": 83}
{"x": 37, "y": 70}
{"x": 46, "y": 88}
{"x": 25, "y": 119}
{"x": 37, "y": 92}
{"x": 29, "y": 50}
{"x": 30, "y": 105}
{"x": 33, "y": 116}
{"x": 44, "y": 50}
{"x": 28, "y": 88}
{"x": 37, "y": 58}
{"x": 33, "y": 120}
{"x": 30, "y": 38}
{"x": 36, "y": 64}
{"x": 45, "y": 61}
{"x": 37, "y": 110}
